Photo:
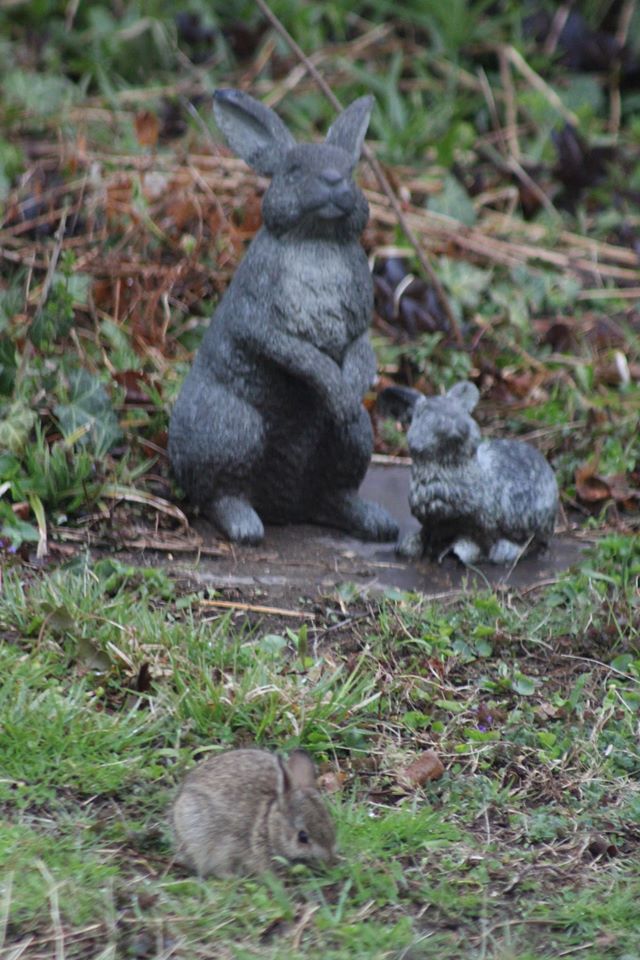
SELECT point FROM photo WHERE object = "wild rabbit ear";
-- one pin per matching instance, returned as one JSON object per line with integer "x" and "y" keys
{"x": 465, "y": 394}
{"x": 349, "y": 129}
{"x": 299, "y": 771}
{"x": 253, "y": 131}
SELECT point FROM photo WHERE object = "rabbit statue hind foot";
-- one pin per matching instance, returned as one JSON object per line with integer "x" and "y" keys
{"x": 360, "y": 518}
{"x": 491, "y": 500}
{"x": 240, "y": 523}
{"x": 237, "y": 520}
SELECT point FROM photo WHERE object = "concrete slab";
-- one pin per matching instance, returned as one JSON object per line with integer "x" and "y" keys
{"x": 307, "y": 561}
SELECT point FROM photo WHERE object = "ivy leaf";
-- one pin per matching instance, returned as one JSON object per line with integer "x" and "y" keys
{"x": 78, "y": 287}
{"x": 15, "y": 426}
{"x": 54, "y": 320}
{"x": 88, "y": 418}
{"x": 523, "y": 685}
{"x": 454, "y": 202}
{"x": 14, "y": 529}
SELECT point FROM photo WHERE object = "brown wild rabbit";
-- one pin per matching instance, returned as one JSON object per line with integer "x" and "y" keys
{"x": 238, "y": 810}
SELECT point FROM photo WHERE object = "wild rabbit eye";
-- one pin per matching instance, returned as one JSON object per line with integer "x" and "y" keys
{"x": 303, "y": 836}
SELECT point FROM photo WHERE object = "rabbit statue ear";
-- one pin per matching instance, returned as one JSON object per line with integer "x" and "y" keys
{"x": 465, "y": 394}
{"x": 419, "y": 405}
{"x": 348, "y": 130}
{"x": 253, "y": 131}
{"x": 299, "y": 771}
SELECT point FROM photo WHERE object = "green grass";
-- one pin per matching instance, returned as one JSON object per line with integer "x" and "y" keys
{"x": 538, "y": 735}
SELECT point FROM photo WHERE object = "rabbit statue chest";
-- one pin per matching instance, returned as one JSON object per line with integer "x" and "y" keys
{"x": 325, "y": 295}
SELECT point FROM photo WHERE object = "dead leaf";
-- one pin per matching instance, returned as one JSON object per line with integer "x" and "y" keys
{"x": 601, "y": 848}
{"x": 179, "y": 213}
{"x": 617, "y": 374}
{"x": 119, "y": 196}
{"x": 21, "y": 509}
{"x": 593, "y": 488}
{"x": 622, "y": 492}
{"x": 147, "y": 127}
{"x": 134, "y": 383}
{"x": 427, "y": 766}
{"x": 590, "y": 487}
{"x": 251, "y": 217}
{"x": 331, "y": 782}
{"x": 546, "y": 711}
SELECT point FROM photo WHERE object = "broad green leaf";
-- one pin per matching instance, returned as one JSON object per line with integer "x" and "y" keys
{"x": 525, "y": 686}
{"x": 89, "y": 409}
{"x": 40, "y": 94}
{"x": 454, "y": 202}
{"x": 15, "y": 426}
{"x": 78, "y": 287}
{"x": 14, "y": 529}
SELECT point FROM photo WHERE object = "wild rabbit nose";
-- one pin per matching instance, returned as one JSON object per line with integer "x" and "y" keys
{"x": 331, "y": 176}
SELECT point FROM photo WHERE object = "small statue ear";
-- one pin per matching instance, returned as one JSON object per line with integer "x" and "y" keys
{"x": 465, "y": 394}
{"x": 349, "y": 128}
{"x": 253, "y": 131}
{"x": 420, "y": 404}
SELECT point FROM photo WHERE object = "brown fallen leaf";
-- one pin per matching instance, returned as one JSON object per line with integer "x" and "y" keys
{"x": 147, "y": 128}
{"x": 331, "y": 782}
{"x": 21, "y": 509}
{"x": 428, "y": 766}
{"x": 591, "y": 487}
{"x": 119, "y": 196}
{"x": 622, "y": 492}
{"x": 600, "y": 848}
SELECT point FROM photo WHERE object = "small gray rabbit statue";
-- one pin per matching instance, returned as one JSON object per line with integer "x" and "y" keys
{"x": 269, "y": 424}
{"x": 238, "y": 810}
{"x": 480, "y": 499}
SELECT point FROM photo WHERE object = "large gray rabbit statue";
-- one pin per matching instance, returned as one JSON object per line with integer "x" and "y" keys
{"x": 269, "y": 424}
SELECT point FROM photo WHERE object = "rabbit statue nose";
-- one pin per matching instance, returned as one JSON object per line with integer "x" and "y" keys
{"x": 331, "y": 176}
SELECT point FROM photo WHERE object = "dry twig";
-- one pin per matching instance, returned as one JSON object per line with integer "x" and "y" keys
{"x": 257, "y": 608}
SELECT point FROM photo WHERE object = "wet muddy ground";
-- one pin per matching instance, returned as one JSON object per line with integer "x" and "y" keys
{"x": 307, "y": 561}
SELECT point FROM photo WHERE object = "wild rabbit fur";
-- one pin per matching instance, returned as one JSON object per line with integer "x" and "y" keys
{"x": 269, "y": 424}
{"x": 238, "y": 810}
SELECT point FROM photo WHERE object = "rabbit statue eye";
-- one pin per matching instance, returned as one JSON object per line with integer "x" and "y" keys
{"x": 303, "y": 836}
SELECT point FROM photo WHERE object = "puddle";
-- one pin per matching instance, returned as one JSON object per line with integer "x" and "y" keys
{"x": 307, "y": 561}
